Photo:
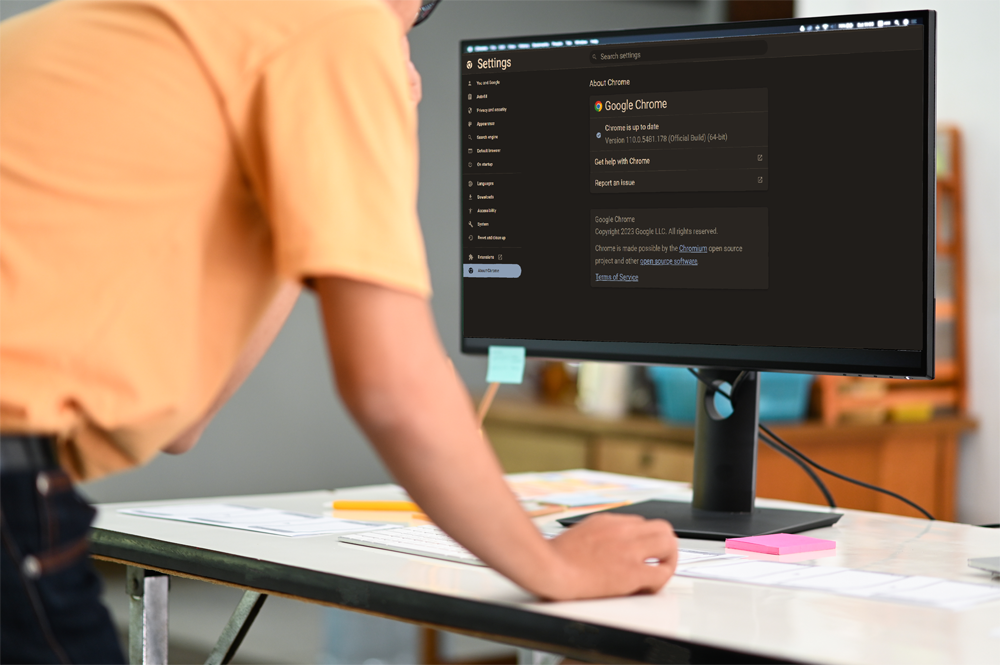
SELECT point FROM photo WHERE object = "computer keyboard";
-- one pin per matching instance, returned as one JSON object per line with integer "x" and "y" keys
{"x": 430, "y": 541}
{"x": 426, "y": 540}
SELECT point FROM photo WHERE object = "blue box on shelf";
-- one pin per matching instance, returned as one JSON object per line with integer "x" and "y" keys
{"x": 782, "y": 396}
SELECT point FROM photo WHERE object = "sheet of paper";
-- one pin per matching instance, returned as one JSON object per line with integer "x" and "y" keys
{"x": 855, "y": 582}
{"x": 618, "y": 480}
{"x": 260, "y": 520}
{"x": 577, "y": 499}
{"x": 739, "y": 571}
{"x": 941, "y": 593}
{"x": 919, "y": 590}
{"x": 580, "y": 487}
{"x": 900, "y": 584}
{"x": 685, "y": 557}
{"x": 795, "y": 573}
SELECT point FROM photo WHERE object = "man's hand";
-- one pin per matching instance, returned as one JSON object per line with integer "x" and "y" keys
{"x": 606, "y": 555}
{"x": 398, "y": 384}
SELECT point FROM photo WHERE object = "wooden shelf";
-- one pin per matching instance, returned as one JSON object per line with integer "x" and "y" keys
{"x": 915, "y": 459}
{"x": 946, "y": 370}
{"x": 946, "y": 309}
{"x": 939, "y": 397}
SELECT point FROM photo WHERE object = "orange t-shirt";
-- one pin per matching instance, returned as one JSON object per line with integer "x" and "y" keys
{"x": 163, "y": 167}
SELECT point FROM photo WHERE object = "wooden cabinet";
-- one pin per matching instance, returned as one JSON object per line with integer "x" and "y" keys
{"x": 917, "y": 460}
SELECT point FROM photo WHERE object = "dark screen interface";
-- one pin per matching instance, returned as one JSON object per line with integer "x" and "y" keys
{"x": 761, "y": 190}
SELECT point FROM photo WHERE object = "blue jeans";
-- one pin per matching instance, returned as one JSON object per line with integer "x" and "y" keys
{"x": 51, "y": 607}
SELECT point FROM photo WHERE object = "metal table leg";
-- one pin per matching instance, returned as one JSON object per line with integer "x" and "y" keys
{"x": 148, "y": 622}
{"x": 237, "y": 628}
{"x": 148, "y": 625}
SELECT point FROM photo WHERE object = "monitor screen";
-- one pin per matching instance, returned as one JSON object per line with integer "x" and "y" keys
{"x": 744, "y": 195}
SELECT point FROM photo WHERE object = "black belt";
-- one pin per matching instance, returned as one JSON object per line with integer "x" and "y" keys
{"x": 27, "y": 452}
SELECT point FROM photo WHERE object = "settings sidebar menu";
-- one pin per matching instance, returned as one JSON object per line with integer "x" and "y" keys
{"x": 492, "y": 236}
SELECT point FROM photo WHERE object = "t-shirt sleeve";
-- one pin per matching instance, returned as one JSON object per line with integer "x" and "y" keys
{"x": 338, "y": 138}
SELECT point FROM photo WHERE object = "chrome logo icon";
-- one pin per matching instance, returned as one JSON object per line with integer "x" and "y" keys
{"x": 598, "y": 106}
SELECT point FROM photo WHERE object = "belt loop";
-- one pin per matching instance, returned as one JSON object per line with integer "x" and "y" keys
{"x": 52, "y": 451}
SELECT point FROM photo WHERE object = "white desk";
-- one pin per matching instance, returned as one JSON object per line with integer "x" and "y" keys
{"x": 690, "y": 619}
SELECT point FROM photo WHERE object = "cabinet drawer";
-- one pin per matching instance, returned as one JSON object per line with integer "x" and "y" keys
{"x": 637, "y": 457}
{"x": 523, "y": 449}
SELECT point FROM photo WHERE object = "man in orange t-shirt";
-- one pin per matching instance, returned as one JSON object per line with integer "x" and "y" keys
{"x": 171, "y": 173}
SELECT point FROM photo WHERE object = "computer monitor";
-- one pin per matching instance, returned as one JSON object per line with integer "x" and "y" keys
{"x": 738, "y": 198}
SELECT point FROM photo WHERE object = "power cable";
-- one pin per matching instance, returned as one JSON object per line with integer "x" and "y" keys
{"x": 805, "y": 467}
{"x": 861, "y": 483}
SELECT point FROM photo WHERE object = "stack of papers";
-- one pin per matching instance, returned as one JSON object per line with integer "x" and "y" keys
{"x": 261, "y": 520}
{"x": 581, "y": 487}
{"x": 916, "y": 589}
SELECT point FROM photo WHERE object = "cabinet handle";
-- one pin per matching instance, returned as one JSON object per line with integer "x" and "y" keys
{"x": 646, "y": 460}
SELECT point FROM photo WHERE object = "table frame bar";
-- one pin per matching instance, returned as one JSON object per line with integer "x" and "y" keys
{"x": 237, "y": 628}
{"x": 501, "y": 623}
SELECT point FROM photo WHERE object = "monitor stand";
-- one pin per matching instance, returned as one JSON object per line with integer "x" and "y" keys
{"x": 725, "y": 472}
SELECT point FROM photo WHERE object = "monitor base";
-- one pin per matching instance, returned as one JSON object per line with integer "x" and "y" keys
{"x": 710, "y": 525}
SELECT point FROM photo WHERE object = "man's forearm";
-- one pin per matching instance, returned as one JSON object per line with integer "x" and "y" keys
{"x": 414, "y": 409}
{"x": 396, "y": 380}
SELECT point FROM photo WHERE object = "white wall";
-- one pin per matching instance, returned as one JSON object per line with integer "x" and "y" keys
{"x": 10, "y": 8}
{"x": 285, "y": 430}
{"x": 968, "y": 95}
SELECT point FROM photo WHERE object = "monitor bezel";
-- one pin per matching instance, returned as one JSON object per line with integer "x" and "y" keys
{"x": 882, "y": 363}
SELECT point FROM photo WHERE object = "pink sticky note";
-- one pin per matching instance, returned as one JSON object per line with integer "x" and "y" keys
{"x": 780, "y": 543}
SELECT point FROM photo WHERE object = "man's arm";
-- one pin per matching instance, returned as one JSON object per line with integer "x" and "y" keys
{"x": 397, "y": 382}
{"x": 258, "y": 344}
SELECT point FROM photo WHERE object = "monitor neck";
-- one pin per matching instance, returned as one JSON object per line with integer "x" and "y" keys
{"x": 725, "y": 449}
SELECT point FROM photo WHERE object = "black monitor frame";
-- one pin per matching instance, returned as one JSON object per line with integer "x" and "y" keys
{"x": 882, "y": 363}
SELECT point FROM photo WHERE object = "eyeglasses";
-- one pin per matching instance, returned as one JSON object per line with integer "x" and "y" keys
{"x": 425, "y": 11}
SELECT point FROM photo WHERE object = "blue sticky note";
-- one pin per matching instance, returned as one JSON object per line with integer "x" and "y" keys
{"x": 505, "y": 365}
